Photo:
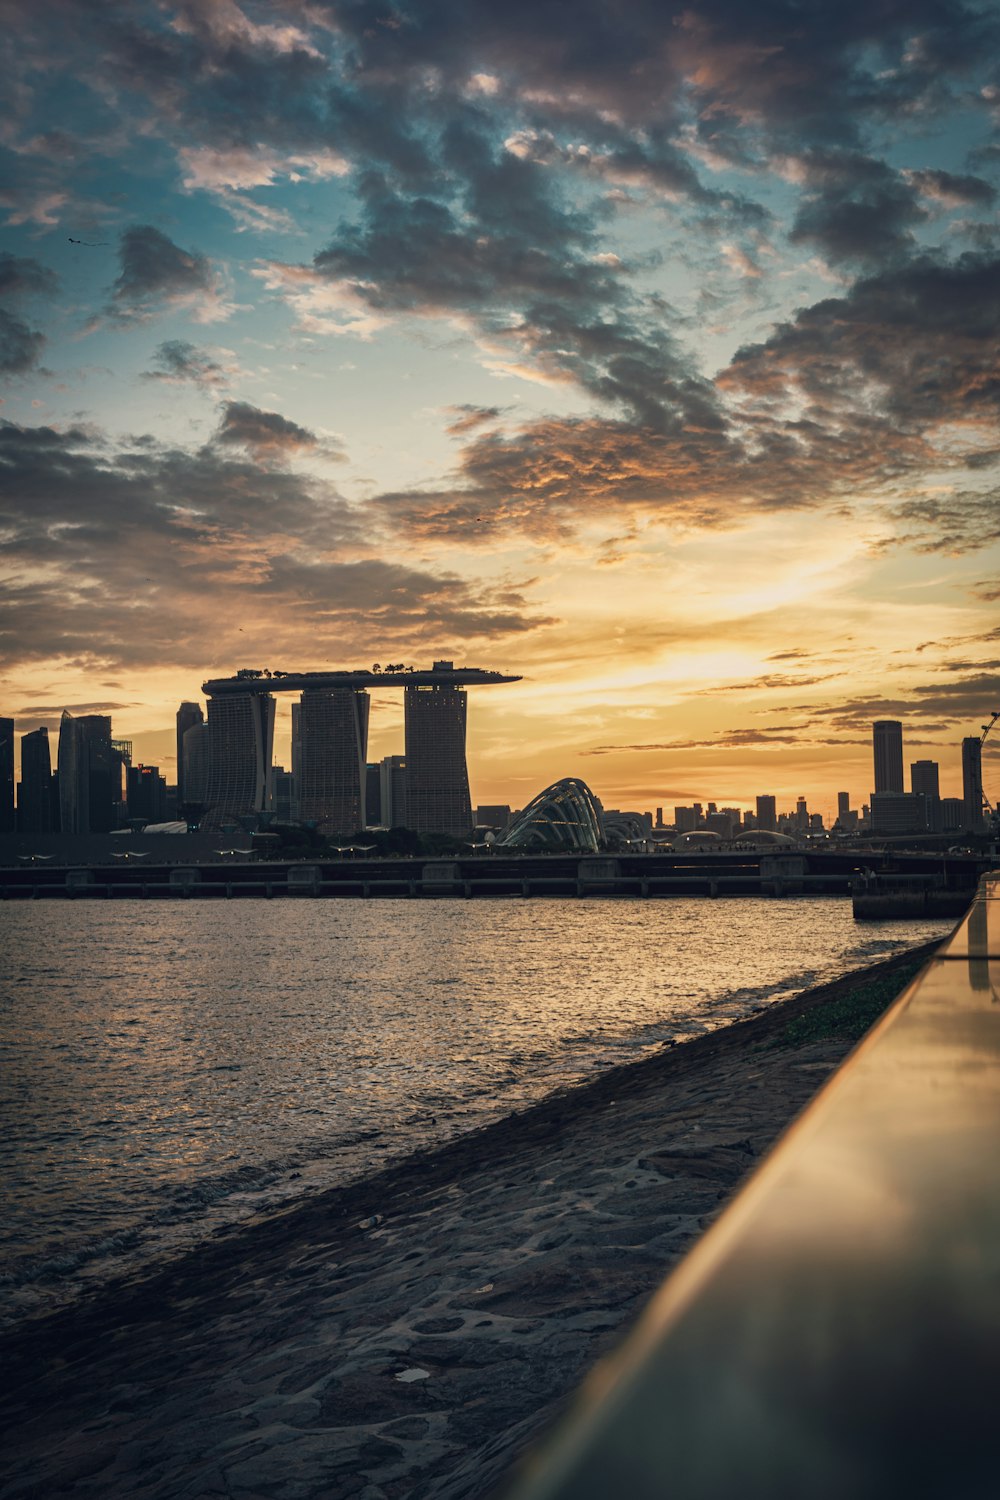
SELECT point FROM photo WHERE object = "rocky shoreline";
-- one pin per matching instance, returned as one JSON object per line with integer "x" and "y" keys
{"x": 410, "y": 1334}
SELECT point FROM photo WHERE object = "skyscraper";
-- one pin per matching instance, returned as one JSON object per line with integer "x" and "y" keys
{"x": 240, "y": 744}
{"x": 90, "y": 773}
{"x": 887, "y": 745}
{"x": 767, "y": 814}
{"x": 333, "y": 751}
{"x": 392, "y": 789}
{"x": 188, "y": 715}
{"x": 972, "y": 782}
{"x": 195, "y": 760}
{"x": 34, "y": 798}
{"x": 925, "y": 778}
{"x": 6, "y": 775}
{"x": 437, "y": 777}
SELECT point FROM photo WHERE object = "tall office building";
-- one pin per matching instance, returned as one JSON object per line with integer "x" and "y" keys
{"x": 240, "y": 744}
{"x": 887, "y": 745}
{"x": 925, "y": 778}
{"x": 392, "y": 790}
{"x": 90, "y": 774}
{"x": 972, "y": 782}
{"x": 195, "y": 759}
{"x": 333, "y": 753}
{"x": 767, "y": 814}
{"x": 147, "y": 794}
{"x": 35, "y": 793}
{"x": 437, "y": 777}
{"x": 801, "y": 813}
{"x": 373, "y": 795}
{"x": 188, "y": 715}
{"x": 7, "y": 822}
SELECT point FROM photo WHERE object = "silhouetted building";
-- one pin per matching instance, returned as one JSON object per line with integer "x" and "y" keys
{"x": 90, "y": 774}
{"x": 392, "y": 791}
{"x": 7, "y": 819}
{"x": 925, "y": 782}
{"x": 493, "y": 815}
{"x": 952, "y": 814}
{"x": 373, "y": 795}
{"x": 972, "y": 782}
{"x": 283, "y": 786}
{"x": 35, "y": 795}
{"x": 147, "y": 794}
{"x": 685, "y": 819}
{"x": 333, "y": 751}
{"x": 898, "y": 812}
{"x": 801, "y": 814}
{"x": 566, "y": 816}
{"x": 194, "y": 757}
{"x": 887, "y": 747}
{"x": 188, "y": 715}
{"x": 437, "y": 777}
{"x": 239, "y": 745}
{"x": 767, "y": 814}
{"x": 843, "y": 804}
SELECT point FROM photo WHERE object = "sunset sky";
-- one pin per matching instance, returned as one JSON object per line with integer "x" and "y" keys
{"x": 648, "y": 353}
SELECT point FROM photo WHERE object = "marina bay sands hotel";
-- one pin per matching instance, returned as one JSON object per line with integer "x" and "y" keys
{"x": 225, "y": 764}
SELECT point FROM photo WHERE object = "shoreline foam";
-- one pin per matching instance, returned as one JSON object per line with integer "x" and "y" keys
{"x": 302, "y": 1355}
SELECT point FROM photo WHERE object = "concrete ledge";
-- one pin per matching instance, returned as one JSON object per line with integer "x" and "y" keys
{"x": 837, "y": 1332}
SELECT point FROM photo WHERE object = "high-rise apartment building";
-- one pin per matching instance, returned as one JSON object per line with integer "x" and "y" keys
{"x": 90, "y": 774}
{"x": 887, "y": 747}
{"x": 767, "y": 814}
{"x": 188, "y": 715}
{"x": 7, "y": 822}
{"x": 35, "y": 801}
{"x": 239, "y": 744}
{"x": 333, "y": 753}
{"x": 972, "y": 782}
{"x": 437, "y": 777}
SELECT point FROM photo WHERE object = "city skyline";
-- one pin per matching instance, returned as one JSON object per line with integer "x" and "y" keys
{"x": 652, "y": 358}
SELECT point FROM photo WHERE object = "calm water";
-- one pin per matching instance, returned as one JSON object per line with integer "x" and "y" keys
{"x": 167, "y": 1067}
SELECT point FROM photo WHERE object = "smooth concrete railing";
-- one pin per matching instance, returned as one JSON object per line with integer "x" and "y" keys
{"x": 837, "y": 1331}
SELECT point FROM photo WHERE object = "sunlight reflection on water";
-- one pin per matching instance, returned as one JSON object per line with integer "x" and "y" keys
{"x": 174, "y": 1063}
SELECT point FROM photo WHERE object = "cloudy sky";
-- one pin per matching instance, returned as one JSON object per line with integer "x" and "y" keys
{"x": 649, "y": 353}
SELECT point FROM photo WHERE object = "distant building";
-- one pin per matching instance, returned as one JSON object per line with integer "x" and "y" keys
{"x": 767, "y": 814}
{"x": 887, "y": 748}
{"x": 333, "y": 754}
{"x": 36, "y": 810}
{"x": 898, "y": 812}
{"x": 801, "y": 814}
{"x": 659, "y": 817}
{"x": 239, "y": 746}
{"x": 90, "y": 771}
{"x": 843, "y": 804}
{"x": 188, "y": 715}
{"x": 392, "y": 791}
{"x": 195, "y": 760}
{"x": 437, "y": 777}
{"x": 147, "y": 794}
{"x": 952, "y": 814}
{"x": 283, "y": 796}
{"x": 373, "y": 795}
{"x": 7, "y": 818}
{"x": 493, "y": 815}
{"x": 972, "y": 783}
{"x": 925, "y": 782}
{"x": 685, "y": 819}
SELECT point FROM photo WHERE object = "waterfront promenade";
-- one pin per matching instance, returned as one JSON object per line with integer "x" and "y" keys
{"x": 409, "y": 1335}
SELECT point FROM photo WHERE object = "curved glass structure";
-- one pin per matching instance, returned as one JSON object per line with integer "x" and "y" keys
{"x": 565, "y": 817}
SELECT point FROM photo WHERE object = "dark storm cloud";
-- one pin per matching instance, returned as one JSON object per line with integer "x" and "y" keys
{"x": 181, "y": 361}
{"x": 156, "y": 273}
{"x": 267, "y": 434}
{"x": 224, "y": 543}
{"x": 923, "y": 337}
{"x": 856, "y": 209}
{"x": 21, "y": 345}
{"x": 953, "y": 190}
